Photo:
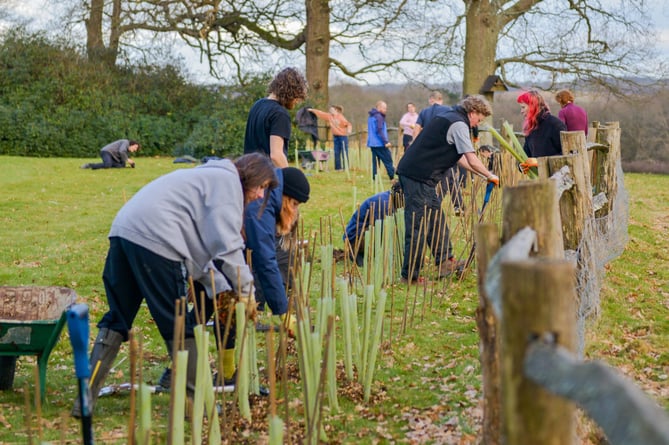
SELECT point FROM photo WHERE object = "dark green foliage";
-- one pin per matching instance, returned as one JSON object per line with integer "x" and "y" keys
{"x": 53, "y": 102}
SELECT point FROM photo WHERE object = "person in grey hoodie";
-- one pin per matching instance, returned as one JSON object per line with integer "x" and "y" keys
{"x": 187, "y": 223}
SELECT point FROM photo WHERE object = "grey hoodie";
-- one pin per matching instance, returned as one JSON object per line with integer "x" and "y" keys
{"x": 194, "y": 216}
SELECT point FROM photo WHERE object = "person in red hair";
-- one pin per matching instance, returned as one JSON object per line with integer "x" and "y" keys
{"x": 541, "y": 128}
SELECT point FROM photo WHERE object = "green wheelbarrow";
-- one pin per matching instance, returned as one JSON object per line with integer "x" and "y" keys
{"x": 31, "y": 319}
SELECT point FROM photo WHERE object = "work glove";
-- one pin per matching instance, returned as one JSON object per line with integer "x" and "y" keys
{"x": 529, "y": 163}
{"x": 290, "y": 323}
{"x": 251, "y": 306}
{"x": 225, "y": 303}
{"x": 493, "y": 179}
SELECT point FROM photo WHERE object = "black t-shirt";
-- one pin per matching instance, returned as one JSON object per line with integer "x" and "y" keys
{"x": 266, "y": 118}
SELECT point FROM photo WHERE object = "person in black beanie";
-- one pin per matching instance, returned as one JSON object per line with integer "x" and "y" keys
{"x": 270, "y": 230}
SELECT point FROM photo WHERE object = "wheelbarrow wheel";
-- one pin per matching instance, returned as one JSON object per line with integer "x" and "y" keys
{"x": 7, "y": 368}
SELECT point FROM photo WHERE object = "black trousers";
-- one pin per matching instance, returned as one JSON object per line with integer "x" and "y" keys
{"x": 422, "y": 208}
{"x": 133, "y": 274}
{"x": 382, "y": 154}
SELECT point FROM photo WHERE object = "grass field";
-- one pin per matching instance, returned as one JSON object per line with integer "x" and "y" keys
{"x": 55, "y": 218}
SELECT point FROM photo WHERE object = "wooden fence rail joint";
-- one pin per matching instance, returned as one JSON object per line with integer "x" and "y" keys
{"x": 563, "y": 180}
{"x": 624, "y": 412}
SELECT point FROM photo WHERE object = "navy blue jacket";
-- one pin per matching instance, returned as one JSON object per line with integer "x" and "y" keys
{"x": 261, "y": 239}
{"x": 545, "y": 139}
{"x": 373, "y": 208}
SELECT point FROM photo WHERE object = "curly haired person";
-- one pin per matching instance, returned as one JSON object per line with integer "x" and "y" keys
{"x": 268, "y": 126}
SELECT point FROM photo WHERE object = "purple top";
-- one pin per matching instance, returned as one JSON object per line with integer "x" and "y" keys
{"x": 574, "y": 117}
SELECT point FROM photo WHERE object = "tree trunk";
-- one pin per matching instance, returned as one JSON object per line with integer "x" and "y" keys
{"x": 318, "y": 51}
{"x": 95, "y": 47}
{"x": 483, "y": 27}
{"x": 94, "y": 44}
{"x": 114, "y": 35}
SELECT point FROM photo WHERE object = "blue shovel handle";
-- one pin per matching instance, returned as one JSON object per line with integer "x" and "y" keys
{"x": 77, "y": 325}
{"x": 488, "y": 192}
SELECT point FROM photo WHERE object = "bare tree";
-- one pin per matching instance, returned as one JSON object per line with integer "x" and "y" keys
{"x": 546, "y": 42}
{"x": 354, "y": 38}
{"x": 523, "y": 41}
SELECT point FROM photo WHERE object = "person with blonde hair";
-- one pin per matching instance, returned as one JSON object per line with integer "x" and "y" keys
{"x": 436, "y": 106}
{"x": 445, "y": 142}
{"x": 573, "y": 116}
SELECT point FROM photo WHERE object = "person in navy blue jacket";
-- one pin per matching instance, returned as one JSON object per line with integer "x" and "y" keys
{"x": 375, "y": 207}
{"x": 264, "y": 233}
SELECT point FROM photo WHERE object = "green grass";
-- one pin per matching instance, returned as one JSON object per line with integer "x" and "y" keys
{"x": 55, "y": 218}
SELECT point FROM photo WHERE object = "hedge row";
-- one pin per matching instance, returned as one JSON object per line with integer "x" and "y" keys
{"x": 54, "y": 103}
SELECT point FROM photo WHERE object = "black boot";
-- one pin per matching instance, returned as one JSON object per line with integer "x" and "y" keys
{"x": 191, "y": 369}
{"x": 105, "y": 350}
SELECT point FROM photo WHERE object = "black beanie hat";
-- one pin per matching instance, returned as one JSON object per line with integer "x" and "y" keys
{"x": 295, "y": 184}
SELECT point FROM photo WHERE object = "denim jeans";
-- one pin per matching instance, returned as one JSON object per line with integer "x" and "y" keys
{"x": 340, "y": 151}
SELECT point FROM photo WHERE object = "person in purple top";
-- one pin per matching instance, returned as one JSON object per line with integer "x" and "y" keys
{"x": 574, "y": 117}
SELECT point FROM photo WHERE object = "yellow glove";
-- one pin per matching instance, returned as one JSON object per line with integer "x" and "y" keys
{"x": 290, "y": 323}
{"x": 251, "y": 306}
{"x": 529, "y": 163}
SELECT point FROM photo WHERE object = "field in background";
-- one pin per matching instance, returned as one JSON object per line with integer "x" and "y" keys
{"x": 55, "y": 218}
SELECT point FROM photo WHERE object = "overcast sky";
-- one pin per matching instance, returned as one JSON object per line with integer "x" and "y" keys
{"x": 38, "y": 11}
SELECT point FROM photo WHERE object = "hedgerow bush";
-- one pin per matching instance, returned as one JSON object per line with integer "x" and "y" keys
{"x": 53, "y": 102}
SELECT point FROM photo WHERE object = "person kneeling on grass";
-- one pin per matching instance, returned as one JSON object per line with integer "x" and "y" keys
{"x": 270, "y": 230}
{"x": 115, "y": 155}
{"x": 376, "y": 207}
{"x": 187, "y": 223}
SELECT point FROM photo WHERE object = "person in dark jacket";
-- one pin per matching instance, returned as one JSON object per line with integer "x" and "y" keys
{"x": 541, "y": 128}
{"x": 445, "y": 142}
{"x": 376, "y": 207}
{"x": 268, "y": 236}
{"x": 377, "y": 139}
{"x": 307, "y": 121}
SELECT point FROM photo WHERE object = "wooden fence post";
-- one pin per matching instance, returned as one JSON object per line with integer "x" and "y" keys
{"x": 574, "y": 143}
{"x": 538, "y": 298}
{"x": 575, "y": 204}
{"x": 534, "y": 204}
{"x": 604, "y": 164}
{"x": 487, "y": 244}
